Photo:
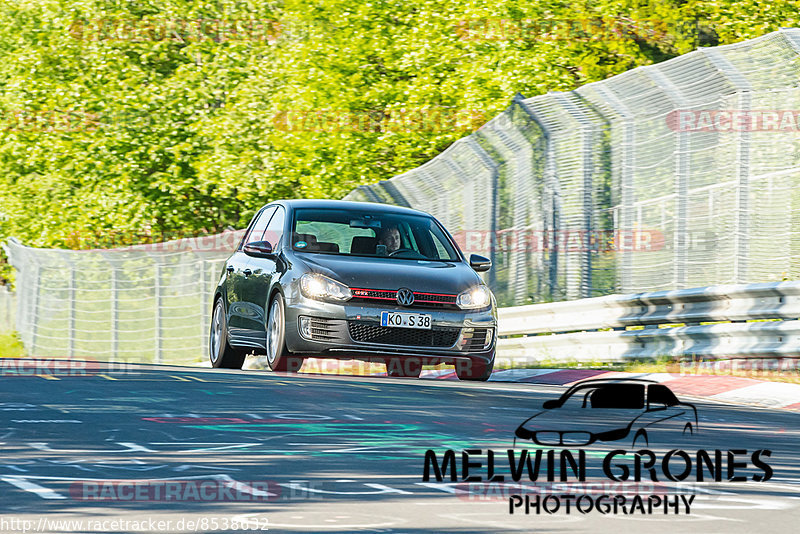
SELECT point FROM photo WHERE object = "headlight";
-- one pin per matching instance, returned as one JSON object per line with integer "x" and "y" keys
{"x": 474, "y": 298}
{"x": 317, "y": 286}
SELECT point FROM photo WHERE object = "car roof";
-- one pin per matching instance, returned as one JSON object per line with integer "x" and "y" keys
{"x": 347, "y": 204}
{"x": 608, "y": 381}
{"x": 615, "y": 381}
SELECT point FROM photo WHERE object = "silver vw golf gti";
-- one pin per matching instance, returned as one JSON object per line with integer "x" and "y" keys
{"x": 352, "y": 280}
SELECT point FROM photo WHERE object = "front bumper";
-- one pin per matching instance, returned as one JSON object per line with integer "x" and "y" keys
{"x": 352, "y": 330}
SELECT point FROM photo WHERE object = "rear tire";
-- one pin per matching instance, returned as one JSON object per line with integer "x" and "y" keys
{"x": 404, "y": 367}
{"x": 474, "y": 370}
{"x": 278, "y": 356}
{"x": 220, "y": 352}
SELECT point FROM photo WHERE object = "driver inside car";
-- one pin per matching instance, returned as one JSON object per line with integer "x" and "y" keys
{"x": 390, "y": 238}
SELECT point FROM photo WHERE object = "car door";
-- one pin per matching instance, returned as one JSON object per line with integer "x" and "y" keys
{"x": 264, "y": 272}
{"x": 241, "y": 315}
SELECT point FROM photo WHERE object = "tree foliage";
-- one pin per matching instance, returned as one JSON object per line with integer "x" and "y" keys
{"x": 166, "y": 117}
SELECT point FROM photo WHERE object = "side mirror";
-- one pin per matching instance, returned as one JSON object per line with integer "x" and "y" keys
{"x": 549, "y": 405}
{"x": 259, "y": 249}
{"x": 479, "y": 263}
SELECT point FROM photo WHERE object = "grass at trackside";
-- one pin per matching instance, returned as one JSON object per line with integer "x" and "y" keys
{"x": 10, "y": 345}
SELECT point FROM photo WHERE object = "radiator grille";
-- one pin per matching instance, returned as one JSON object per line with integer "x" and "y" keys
{"x": 413, "y": 337}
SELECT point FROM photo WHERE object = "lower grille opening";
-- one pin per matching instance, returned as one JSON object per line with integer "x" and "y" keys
{"x": 477, "y": 339}
{"x": 367, "y": 332}
{"x": 321, "y": 329}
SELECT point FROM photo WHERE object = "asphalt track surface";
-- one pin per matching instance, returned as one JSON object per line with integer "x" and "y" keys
{"x": 330, "y": 454}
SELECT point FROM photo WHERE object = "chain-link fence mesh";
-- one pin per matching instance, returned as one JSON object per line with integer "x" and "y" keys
{"x": 146, "y": 303}
{"x": 676, "y": 175}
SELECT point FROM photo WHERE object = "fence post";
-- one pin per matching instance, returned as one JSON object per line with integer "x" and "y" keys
{"x": 157, "y": 273}
{"x": 37, "y": 276}
{"x": 582, "y": 117}
{"x": 551, "y": 193}
{"x": 626, "y": 191}
{"x": 205, "y": 295}
{"x": 492, "y": 167}
{"x": 114, "y": 315}
{"x": 72, "y": 310}
{"x": 742, "y": 219}
{"x": 6, "y": 297}
{"x": 682, "y": 169}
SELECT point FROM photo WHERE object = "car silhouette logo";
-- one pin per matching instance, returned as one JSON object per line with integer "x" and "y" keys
{"x": 405, "y": 297}
{"x": 610, "y": 410}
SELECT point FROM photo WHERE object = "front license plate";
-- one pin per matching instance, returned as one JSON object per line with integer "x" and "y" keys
{"x": 406, "y": 320}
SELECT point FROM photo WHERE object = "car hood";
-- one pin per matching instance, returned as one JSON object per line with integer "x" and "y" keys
{"x": 594, "y": 420}
{"x": 390, "y": 273}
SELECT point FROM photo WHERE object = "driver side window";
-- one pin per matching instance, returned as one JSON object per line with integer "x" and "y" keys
{"x": 274, "y": 230}
{"x": 257, "y": 230}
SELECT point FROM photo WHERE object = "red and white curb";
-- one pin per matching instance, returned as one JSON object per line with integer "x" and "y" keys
{"x": 726, "y": 389}
{"x": 720, "y": 388}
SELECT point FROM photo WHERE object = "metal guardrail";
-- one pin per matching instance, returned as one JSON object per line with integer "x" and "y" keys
{"x": 751, "y": 321}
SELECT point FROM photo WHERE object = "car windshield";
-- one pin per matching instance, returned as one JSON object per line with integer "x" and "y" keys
{"x": 360, "y": 233}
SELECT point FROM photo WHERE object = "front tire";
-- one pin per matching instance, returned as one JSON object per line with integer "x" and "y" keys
{"x": 278, "y": 356}
{"x": 474, "y": 370}
{"x": 404, "y": 367}
{"x": 220, "y": 352}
